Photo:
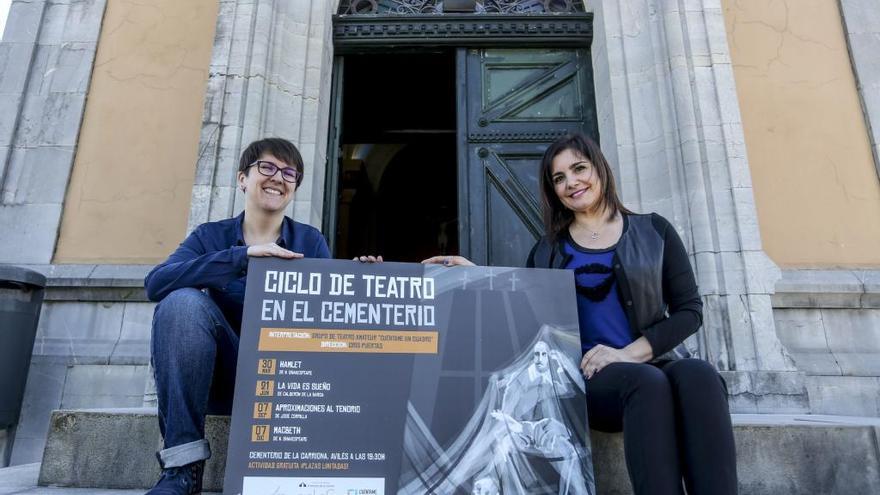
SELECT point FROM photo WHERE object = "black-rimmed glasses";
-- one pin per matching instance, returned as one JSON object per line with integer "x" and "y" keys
{"x": 269, "y": 169}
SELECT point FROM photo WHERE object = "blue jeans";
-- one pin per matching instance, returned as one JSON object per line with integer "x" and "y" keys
{"x": 194, "y": 352}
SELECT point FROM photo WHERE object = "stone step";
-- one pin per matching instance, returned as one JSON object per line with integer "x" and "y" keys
{"x": 777, "y": 454}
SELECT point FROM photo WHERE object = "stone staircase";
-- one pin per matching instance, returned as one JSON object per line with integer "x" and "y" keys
{"x": 777, "y": 454}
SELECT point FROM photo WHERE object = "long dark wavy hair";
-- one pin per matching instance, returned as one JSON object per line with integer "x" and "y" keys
{"x": 557, "y": 217}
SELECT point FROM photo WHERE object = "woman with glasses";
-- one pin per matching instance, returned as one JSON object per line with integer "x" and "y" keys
{"x": 637, "y": 302}
{"x": 200, "y": 290}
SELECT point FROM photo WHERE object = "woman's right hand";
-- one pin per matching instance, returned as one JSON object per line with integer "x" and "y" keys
{"x": 271, "y": 249}
{"x": 448, "y": 261}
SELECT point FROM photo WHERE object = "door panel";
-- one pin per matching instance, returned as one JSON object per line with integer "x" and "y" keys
{"x": 517, "y": 102}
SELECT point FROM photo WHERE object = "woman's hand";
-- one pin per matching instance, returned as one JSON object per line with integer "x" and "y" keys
{"x": 271, "y": 249}
{"x": 448, "y": 261}
{"x": 601, "y": 356}
{"x": 639, "y": 351}
{"x": 368, "y": 259}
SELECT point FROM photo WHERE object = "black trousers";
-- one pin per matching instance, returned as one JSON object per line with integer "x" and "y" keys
{"x": 675, "y": 422}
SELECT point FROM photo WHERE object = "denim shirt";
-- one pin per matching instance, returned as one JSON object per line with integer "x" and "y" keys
{"x": 214, "y": 258}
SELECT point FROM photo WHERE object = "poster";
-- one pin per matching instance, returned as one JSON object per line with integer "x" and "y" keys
{"x": 397, "y": 378}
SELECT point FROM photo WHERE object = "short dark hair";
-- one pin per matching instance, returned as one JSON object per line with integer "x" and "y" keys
{"x": 280, "y": 148}
{"x": 557, "y": 217}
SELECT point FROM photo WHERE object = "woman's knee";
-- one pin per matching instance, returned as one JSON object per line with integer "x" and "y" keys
{"x": 184, "y": 316}
{"x": 693, "y": 373}
{"x": 646, "y": 379}
{"x": 181, "y": 304}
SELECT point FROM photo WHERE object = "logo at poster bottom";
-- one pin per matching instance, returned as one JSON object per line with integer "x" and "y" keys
{"x": 313, "y": 486}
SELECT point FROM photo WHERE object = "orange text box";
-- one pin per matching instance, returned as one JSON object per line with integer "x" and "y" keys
{"x": 262, "y": 410}
{"x": 368, "y": 341}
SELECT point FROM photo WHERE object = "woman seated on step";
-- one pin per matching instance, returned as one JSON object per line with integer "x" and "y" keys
{"x": 637, "y": 303}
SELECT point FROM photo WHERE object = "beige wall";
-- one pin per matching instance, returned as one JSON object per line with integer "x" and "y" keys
{"x": 817, "y": 191}
{"x": 129, "y": 195}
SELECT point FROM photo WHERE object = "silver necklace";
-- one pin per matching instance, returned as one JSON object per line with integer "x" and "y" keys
{"x": 594, "y": 234}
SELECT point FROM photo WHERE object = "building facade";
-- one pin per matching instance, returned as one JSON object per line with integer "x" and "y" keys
{"x": 753, "y": 126}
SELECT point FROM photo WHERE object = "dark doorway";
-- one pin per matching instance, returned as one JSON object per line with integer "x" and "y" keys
{"x": 398, "y": 182}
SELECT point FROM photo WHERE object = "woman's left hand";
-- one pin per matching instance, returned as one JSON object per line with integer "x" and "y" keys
{"x": 601, "y": 356}
{"x": 448, "y": 261}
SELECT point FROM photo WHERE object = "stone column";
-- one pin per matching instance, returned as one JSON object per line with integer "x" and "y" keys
{"x": 669, "y": 119}
{"x": 269, "y": 76}
{"x": 46, "y": 60}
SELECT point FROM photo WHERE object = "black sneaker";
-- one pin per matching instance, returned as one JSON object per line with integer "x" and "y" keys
{"x": 182, "y": 480}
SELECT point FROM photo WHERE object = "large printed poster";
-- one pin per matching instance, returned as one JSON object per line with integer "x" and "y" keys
{"x": 397, "y": 378}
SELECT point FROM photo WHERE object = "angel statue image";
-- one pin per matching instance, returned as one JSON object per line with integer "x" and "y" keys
{"x": 527, "y": 435}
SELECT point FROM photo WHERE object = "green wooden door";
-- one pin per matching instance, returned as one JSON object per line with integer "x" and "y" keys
{"x": 512, "y": 104}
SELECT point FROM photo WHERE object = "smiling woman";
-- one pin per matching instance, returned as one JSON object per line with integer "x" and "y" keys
{"x": 200, "y": 289}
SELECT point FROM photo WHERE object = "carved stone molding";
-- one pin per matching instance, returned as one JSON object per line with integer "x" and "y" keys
{"x": 404, "y": 7}
{"x": 464, "y": 29}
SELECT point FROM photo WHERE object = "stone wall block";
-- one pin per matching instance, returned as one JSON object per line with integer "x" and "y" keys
{"x": 78, "y": 332}
{"x": 707, "y": 96}
{"x": 9, "y": 105}
{"x": 848, "y": 396}
{"x": 223, "y": 34}
{"x": 222, "y": 196}
{"x": 801, "y": 329}
{"x": 43, "y": 392}
{"x": 859, "y": 363}
{"x": 200, "y": 206}
{"x": 734, "y": 142}
{"x": 772, "y": 355}
{"x": 870, "y": 280}
{"x": 780, "y": 392}
{"x": 49, "y": 168}
{"x": 734, "y": 272}
{"x": 628, "y": 176}
{"x": 133, "y": 346}
{"x": 697, "y": 39}
{"x": 716, "y": 36}
{"x": 862, "y": 16}
{"x": 713, "y": 344}
{"x": 802, "y": 332}
{"x": 740, "y": 398}
{"x": 71, "y": 68}
{"x": 761, "y": 272}
{"x": 308, "y": 133}
{"x": 91, "y": 386}
{"x": 78, "y": 21}
{"x": 51, "y": 120}
{"x": 14, "y": 57}
{"x": 853, "y": 331}
{"x": 238, "y": 58}
{"x": 735, "y": 315}
{"x": 708, "y": 273}
{"x": 35, "y": 229}
{"x": 748, "y": 235}
{"x": 23, "y": 21}
{"x": 283, "y": 114}
{"x": 208, "y": 144}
